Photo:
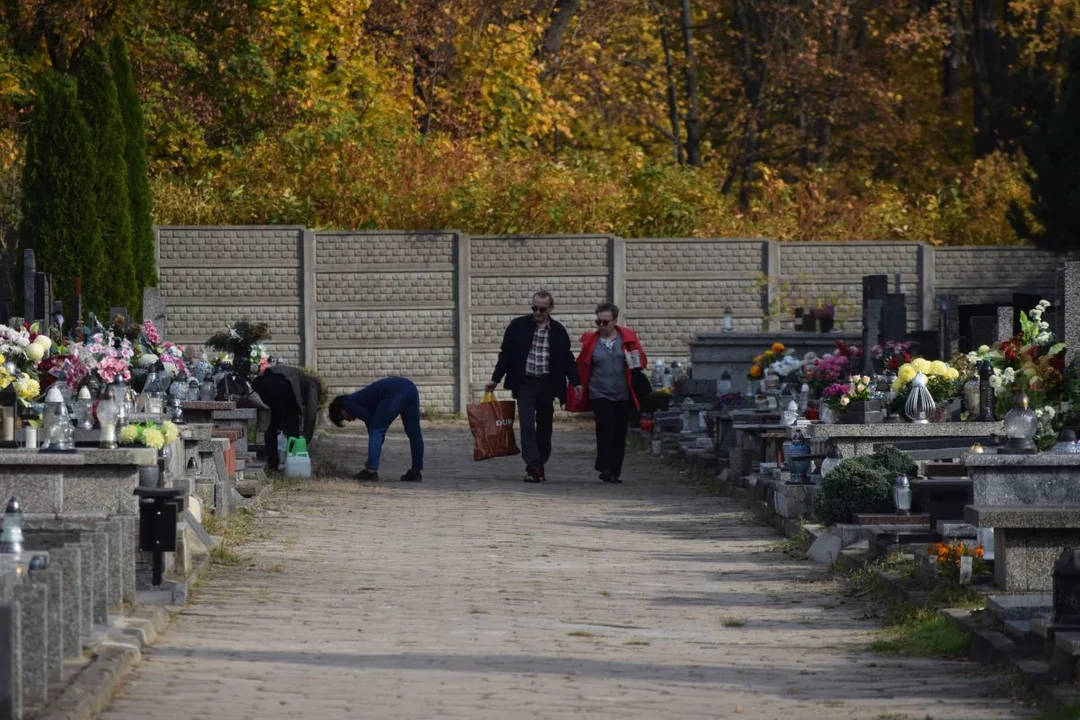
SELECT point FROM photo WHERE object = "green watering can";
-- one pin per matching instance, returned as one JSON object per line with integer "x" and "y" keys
{"x": 297, "y": 461}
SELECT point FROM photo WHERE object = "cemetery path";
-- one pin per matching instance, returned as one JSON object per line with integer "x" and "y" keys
{"x": 475, "y": 595}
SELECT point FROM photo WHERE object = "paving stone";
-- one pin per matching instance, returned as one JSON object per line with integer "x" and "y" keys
{"x": 474, "y": 595}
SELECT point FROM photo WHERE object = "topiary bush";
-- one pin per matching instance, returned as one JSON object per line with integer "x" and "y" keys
{"x": 857, "y": 485}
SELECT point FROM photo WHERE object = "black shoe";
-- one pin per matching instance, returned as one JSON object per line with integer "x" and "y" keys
{"x": 613, "y": 479}
{"x": 534, "y": 475}
{"x": 605, "y": 476}
{"x": 543, "y": 475}
{"x": 367, "y": 475}
{"x": 412, "y": 476}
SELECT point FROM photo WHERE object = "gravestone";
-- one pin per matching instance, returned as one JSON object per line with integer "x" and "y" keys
{"x": 42, "y": 299}
{"x": 894, "y": 318}
{"x": 948, "y": 326}
{"x": 29, "y": 285}
{"x": 871, "y": 333}
{"x": 1005, "y": 319}
{"x": 154, "y": 308}
{"x": 1072, "y": 310}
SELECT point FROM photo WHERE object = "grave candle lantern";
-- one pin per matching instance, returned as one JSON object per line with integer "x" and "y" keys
{"x": 729, "y": 324}
{"x": 902, "y": 495}
{"x": 107, "y": 411}
{"x": 1021, "y": 425}
{"x": 84, "y": 409}
{"x": 59, "y": 432}
{"x": 920, "y": 403}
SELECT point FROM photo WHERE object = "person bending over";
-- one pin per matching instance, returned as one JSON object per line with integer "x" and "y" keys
{"x": 377, "y": 405}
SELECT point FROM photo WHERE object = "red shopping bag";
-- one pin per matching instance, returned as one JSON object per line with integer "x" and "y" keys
{"x": 492, "y": 425}
{"x": 576, "y": 403}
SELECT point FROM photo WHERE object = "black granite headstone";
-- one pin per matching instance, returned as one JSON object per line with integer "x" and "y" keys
{"x": 948, "y": 326}
{"x": 1067, "y": 589}
{"x": 925, "y": 344}
{"x": 871, "y": 333}
{"x": 894, "y": 318}
{"x": 29, "y": 284}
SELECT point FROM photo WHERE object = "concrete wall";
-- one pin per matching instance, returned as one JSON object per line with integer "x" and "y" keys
{"x": 433, "y": 305}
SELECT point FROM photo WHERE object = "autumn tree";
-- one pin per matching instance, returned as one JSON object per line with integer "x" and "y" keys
{"x": 1052, "y": 147}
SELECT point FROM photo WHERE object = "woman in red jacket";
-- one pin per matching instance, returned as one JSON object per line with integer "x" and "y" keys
{"x": 609, "y": 358}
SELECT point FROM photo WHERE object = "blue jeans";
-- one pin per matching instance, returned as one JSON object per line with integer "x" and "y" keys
{"x": 407, "y": 405}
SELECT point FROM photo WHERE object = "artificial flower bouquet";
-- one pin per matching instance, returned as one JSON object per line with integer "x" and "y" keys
{"x": 102, "y": 355}
{"x": 948, "y": 557}
{"x": 24, "y": 347}
{"x": 150, "y": 434}
{"x": 942, "y": 380}
{"x": 765, "y": 360}
{"x": 839, "y": 396}
{"x": 891, "y": 355}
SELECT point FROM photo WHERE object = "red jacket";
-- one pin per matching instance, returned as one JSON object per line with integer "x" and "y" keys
{"x": 630, "y": 342}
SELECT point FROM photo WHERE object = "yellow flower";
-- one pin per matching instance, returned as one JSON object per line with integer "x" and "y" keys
{"x": 152, "y": 437}
{"x": 953, "y": 373}
{"x": 920, "y": 365}
{"x": 27, "y": 388}
{"x": 906, "y": 373}
{"x": 171, "y": 433}
{"x": 938, "y": 368}
{"x": 128, "y": 435}
{"x": 897, "y": 385}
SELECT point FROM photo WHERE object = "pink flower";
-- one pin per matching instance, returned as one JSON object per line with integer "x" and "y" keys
{"x": 151, "y": 332}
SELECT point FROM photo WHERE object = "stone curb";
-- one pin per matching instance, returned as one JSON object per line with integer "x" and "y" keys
{"x": 91, "y": 691}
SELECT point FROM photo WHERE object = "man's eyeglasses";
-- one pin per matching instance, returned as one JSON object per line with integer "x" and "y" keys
{"x": 603, "y": 323}
{"x": 538, "y": 309}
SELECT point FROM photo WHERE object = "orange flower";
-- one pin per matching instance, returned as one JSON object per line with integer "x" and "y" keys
{"x": 778, "y": 347}
{"x": 979, "y": 552}
{"x": 755, "y": 372}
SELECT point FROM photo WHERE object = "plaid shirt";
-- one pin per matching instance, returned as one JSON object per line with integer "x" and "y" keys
{"x": 538, "y": 363}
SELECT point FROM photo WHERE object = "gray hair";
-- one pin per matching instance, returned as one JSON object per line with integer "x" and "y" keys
{"x": 544, "y": 295}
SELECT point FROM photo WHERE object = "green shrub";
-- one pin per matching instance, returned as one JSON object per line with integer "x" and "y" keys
{"x": 894, "y": 462}
{"x": 857, "y": 485}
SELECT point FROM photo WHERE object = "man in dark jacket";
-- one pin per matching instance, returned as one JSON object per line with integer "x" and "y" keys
{"x": 536, "y": 360}
{"x": 290, "y": 394}
{"x": 378, "y": 405}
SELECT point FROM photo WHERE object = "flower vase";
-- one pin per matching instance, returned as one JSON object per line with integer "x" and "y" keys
{"x": 825, "y": 324}
{"x": 862, "y": 412}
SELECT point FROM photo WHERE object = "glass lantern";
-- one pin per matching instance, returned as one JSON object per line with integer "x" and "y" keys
{"x": 1021, "y": 426}
{"x": 1066, "y": 443}
{"x": 971, "y": 398}
{"x": 207, "y": 391}
{"x": 729, "y": 323}
{"x": 902, "y": 495}
{"x": 84, "y": 410}
{"x": 152, "y": 400}
{"x": 108, "y": 412}
{"x": 790, "y": 414}
{"x": 59, "y": 432}
{"x": 832, "y": 459}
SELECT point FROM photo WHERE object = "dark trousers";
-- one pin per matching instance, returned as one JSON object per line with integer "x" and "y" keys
{"x": 536, "y": 409}
{"x": 406, "y": 404}
{"x": 277, "y": 393}
{"x": 612, "y": 422}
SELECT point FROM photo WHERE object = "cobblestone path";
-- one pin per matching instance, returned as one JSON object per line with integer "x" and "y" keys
{"x": 474, "y": 595}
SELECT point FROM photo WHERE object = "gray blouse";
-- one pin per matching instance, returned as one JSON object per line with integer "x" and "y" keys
{"x": 608, "y": 379}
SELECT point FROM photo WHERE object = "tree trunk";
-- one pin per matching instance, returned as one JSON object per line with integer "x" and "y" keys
{"x": 558, "y": 22}
{"x": 672, "y": 93}
{"x": 693, "y": 114}
{"x": 950, "y": 66}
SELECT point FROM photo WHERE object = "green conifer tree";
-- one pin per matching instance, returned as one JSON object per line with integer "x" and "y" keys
{"x": 101, "y": 110}
{"x": 59, "y": 221}
{"x": 1051, "y": 143}
{"x": 135, "y": 155}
